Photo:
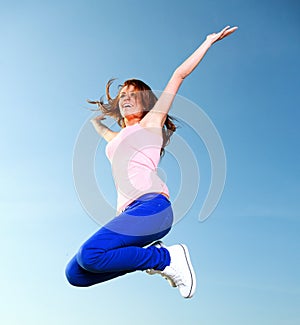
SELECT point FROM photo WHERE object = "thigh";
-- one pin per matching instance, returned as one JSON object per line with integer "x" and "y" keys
{"x": 105, "y": 239}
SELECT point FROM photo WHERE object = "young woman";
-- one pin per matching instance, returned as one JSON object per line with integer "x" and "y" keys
{"x": 144, "y": 210}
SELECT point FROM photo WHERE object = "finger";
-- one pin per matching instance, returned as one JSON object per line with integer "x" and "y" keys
{"x": 229, "y": 31}
{"x": 232, "y": 29}
{"x": 220, "y": 34}
{"x": 224, "y": 29}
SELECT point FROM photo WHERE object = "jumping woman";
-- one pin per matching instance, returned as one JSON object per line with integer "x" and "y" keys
{"x": 130, "y": 241}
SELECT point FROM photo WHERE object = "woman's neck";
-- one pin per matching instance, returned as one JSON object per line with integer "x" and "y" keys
{"x": 132, "y": 120}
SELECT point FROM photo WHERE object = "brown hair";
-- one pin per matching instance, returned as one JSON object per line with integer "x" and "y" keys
{"x": 111, "y": 108}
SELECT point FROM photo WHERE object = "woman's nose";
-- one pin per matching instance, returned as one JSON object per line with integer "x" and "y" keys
{"x": 126, "y": 97}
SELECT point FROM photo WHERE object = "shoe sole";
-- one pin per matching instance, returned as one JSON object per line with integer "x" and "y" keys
{"x": 191, "y": 270}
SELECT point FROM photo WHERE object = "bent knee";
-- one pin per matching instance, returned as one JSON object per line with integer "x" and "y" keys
{"x": 74, "y": 275}
{"x": 89, "y": 258}
{"x": 73, "y": 281}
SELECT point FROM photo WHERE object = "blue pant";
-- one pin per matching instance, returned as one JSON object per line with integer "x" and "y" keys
{"x": 118, "y": 247}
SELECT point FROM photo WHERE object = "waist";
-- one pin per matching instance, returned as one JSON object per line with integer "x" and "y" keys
{"x": 148, "y": 197}
{"x": 151, "y": 195}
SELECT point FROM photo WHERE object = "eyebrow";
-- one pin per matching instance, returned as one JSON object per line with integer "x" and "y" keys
{"x": 130, "y": 92}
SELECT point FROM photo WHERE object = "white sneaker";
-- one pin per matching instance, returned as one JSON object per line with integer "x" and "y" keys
{"x": 160, "y": 244}
{"x": 181, "y": 271}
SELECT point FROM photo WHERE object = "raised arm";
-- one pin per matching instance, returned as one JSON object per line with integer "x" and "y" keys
{"x": 102, "y": 129}
{"x": 159, "y": 112}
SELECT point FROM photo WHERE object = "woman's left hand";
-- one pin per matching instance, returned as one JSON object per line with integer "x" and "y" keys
{"x": 214, "y": 37}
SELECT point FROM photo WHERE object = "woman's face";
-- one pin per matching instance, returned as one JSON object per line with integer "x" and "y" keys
{"x": 130, "y": 102}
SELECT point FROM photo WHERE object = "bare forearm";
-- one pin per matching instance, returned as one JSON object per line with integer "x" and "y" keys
{"x": 188, "y": 66}
{"x": 103, "y": 130}
{"x": 192, "y": 61}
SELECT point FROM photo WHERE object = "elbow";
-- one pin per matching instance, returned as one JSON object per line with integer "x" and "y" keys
{"x": 179, "y": 74}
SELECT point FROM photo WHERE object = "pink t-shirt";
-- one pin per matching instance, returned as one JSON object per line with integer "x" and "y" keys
{"x": 134, "y": 155}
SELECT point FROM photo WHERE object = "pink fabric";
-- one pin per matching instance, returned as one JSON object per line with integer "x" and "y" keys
{"x": 134, "y": 155}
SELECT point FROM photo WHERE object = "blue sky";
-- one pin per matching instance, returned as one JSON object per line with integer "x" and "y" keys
{"x": 54, "y": 55}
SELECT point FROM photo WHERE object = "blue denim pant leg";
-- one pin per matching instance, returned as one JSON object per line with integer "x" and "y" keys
{"x": 118, "y": 247}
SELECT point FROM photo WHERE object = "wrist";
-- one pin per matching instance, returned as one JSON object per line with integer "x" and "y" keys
{"x": 96, "y": 121}
{"x": 208, "y": 42}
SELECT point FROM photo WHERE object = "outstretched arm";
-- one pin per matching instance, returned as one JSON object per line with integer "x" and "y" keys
{"x": 159, "y": 112}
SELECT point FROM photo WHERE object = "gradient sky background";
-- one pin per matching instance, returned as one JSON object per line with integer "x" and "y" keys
{"x": 56, "y": 54}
